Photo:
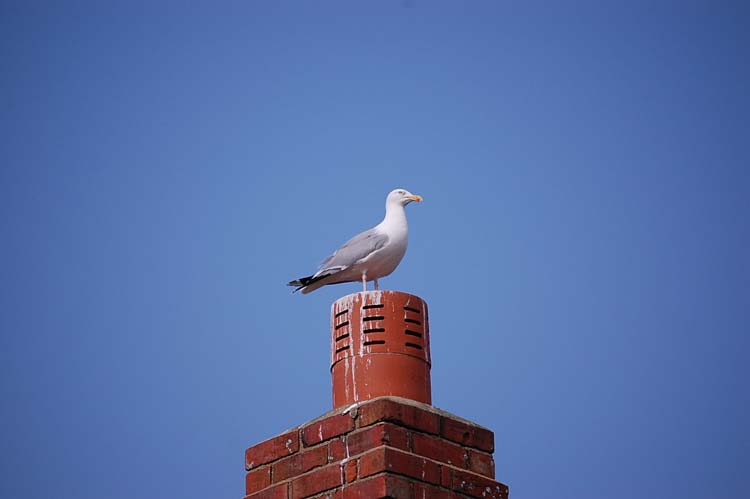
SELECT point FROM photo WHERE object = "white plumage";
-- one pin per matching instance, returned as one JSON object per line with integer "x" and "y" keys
{"x": 370, "y": 255}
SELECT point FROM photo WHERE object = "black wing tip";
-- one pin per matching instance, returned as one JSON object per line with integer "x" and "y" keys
{"x": 300, "y": 283}
{"x": 303, "y": 282}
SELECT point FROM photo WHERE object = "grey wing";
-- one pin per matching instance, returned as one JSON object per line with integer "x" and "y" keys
{"x": 359, "y": 247}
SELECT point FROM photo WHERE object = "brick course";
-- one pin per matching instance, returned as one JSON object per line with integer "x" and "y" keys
{"x": 299, "y": 463}
{"x": 327, "y": 428}
{"x": 375, "y": 436}
{"x": 385, "y": 447}
{"x": 387, "y": 409}
{"x": 468, "y": 434}
{"x": 439, "y": 449}
{"x": 316, "y": 481}
{"x": 272, "y": 449}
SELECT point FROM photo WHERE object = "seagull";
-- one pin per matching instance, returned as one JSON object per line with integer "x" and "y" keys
{"x": 368, "y": 256}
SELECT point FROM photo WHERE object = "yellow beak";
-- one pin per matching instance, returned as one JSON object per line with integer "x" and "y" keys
{"x": 416, "y": 198}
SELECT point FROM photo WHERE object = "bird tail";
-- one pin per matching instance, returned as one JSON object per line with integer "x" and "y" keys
{"x": 307, "y": 284}
{"x": 312, "y": 282}
{"x": 301, "y": 282}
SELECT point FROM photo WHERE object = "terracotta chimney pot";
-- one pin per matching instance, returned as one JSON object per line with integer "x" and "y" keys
{"x": 380, "y": 346}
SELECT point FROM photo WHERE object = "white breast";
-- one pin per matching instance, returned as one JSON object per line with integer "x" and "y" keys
{"x": 385, "y": 261}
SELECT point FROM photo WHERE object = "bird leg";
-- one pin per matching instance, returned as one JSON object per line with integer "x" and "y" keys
{"x": 376, "y": 283}
{"x": 364, "y": 282}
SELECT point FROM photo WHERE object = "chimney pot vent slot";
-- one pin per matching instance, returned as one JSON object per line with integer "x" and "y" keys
{"x": 375, "y": 342}
{"x": 374, "y": 330}
{"x": 373, "y": 318}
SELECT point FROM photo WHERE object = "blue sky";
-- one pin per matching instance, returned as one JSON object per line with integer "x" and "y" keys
{"x": 166, "y": 168}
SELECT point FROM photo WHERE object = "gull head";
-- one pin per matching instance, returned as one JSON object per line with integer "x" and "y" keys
{"x": 401, "y": 197}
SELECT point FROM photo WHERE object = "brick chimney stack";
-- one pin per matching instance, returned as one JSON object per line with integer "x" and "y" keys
{"x": 382, "y": 439}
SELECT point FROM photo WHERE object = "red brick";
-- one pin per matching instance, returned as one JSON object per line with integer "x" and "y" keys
{"x": 475, "y": 485}
{"x": 402, "y": 463}
{"x": 425, "y": 491}
{"x": 445, "y": 476}
{"x": 482, "y": 463}
{"x": 439, "y": 450}
{"x": 257, "y": 479}
{"x": 327, "y": 428}
{"x": 379, "y": 487}
{"x": 376, "y": 436}
{"x": 374, "y": 488}
{"x": 316, "y": 481}
{"x": 467, "y": 434}
{"x": 272, "y": 449}
{"x": 372, "y": 462}
{"x": 299, "y": 463}
{"x": 336, "y": 450}
{"x": 398, "y": 413}
{"x": 276, "y": 492}
{"x": 350, "y": 471}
